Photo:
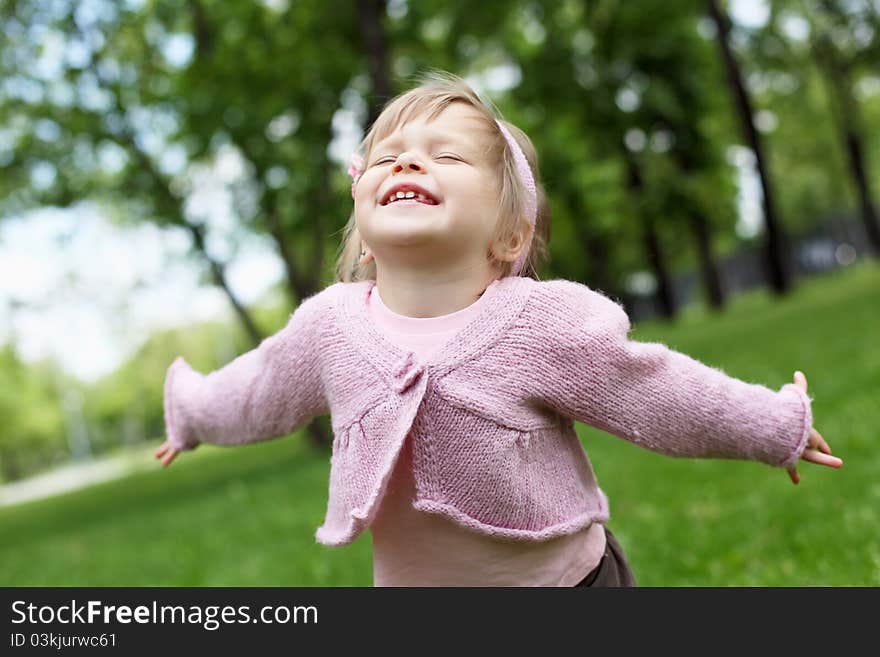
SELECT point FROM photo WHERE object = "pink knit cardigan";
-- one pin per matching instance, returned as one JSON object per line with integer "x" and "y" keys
{"x": 490, "y": 414}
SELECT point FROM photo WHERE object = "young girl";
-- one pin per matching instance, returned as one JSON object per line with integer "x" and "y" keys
{"x": 453, "y": 375}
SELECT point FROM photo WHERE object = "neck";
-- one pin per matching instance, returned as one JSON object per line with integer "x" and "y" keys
{"x": 417, "y": 293}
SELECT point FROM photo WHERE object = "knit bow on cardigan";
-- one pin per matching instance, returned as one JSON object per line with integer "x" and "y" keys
{"x": 490, "y": 414}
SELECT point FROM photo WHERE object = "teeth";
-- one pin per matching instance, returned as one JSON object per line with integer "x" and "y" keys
{"x": 407, "y": 195}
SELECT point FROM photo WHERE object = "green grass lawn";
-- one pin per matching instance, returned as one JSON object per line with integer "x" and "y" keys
{"x": 246, "y": 516}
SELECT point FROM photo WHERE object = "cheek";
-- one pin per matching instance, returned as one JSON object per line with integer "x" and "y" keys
{"x": 489, "y": 188}
{"x": 364, "y": 194}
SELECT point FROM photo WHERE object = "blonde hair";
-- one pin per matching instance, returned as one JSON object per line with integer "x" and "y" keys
{"x": 437, "y": 90}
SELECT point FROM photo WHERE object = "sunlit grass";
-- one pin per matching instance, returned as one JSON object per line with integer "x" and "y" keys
{"x": 247, "y": 516}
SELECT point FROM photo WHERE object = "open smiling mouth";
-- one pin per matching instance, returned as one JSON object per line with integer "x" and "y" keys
{"x": 409, "y": 197}
{"x": 409, "y": 202}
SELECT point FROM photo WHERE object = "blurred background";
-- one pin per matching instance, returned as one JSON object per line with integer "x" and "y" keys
{"x": 173, "y": 181}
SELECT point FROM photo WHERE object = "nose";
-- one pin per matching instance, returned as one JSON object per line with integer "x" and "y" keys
{"x": 407, "y": 162}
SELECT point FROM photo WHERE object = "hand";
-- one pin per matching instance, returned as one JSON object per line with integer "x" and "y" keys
{"x": 817, "y": 450}
{"x": 169, "y": 456}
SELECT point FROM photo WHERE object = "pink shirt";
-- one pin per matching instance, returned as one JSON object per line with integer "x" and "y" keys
{"x": 414, "y": 548}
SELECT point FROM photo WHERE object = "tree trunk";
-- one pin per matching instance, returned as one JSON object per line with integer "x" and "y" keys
{"x": 175, "y": 212}
{"x": 653, "y": 247}
{"x": 218, "y": 272}
{"x": 597, "y": 252}
{"x": 10, "y": 468}
{"x": 593, "y": 245}
{"x": 708, "y": 267}
{"x": 860, "y": 176}
{"x": 701, "y": 228}
{"x": 776, "y": 250}
{"x": 370, "y": 21}
{"x": 370, "y": 14}
{"x": 839, "y": 83}
{"x": 320, "y": 433}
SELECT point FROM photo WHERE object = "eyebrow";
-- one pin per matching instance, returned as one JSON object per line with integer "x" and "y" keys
{"x": 434, "y": 136}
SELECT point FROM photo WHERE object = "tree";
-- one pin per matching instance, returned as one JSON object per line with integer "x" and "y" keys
{"x": 837, "y": 68}
{"x": 153, "y": 93}
{"x": 776, "y": 255}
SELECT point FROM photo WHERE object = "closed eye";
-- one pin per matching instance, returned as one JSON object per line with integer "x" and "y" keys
{"x": 439, "y": 157}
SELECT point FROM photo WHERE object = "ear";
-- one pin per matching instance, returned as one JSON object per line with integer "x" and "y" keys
{"x": 509, "y": 252}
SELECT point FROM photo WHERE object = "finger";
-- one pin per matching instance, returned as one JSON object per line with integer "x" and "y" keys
{"x": 169, "y": 457}
{"x": 821, "y": 442}
{"x": 161, "y": 450}
{"x": 814, "y": 456}
{"x": 793, "y": 475}
{"x": 800, "y": 380}
{"x": 817, "y": 441}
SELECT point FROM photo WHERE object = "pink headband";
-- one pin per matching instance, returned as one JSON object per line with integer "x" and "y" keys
{"x": 356, "y": 169}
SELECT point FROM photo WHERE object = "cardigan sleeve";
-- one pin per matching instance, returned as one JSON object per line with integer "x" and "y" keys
{"x": 265, "y": 393}
{"x": 664, "y": 400}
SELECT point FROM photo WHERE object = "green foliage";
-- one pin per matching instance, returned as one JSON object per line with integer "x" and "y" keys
{"x": 33, "y": 425}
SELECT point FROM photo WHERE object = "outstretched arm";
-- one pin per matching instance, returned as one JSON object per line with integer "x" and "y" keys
{"x": 265, "y": 393}
{"x": 664, "y": 400}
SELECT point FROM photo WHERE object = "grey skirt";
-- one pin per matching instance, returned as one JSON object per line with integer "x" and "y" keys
{"x": 613, "y": 569}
